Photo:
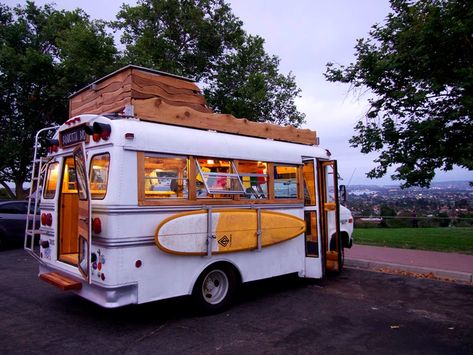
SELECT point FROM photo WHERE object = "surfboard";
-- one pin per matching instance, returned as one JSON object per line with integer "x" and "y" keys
{"x": 232, "y": 230}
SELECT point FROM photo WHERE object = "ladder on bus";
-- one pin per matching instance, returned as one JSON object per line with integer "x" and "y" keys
{"x": 39, "y": 165}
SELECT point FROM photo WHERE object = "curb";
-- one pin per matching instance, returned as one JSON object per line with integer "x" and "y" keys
{"x": 447, "y": 275}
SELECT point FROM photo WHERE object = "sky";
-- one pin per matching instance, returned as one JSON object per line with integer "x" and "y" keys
{"x": 306, "y": 35}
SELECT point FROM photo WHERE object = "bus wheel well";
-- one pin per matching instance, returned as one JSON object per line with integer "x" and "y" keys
{"x": 215, "y": 287}
{"x": 227, "y": 265}
{"x": 346, "y": 243}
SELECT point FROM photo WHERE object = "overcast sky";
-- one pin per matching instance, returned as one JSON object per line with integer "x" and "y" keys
{"x": 306, "y": 34}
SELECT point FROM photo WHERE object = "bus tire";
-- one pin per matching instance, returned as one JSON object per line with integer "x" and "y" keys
{"x": 215, "y": 288}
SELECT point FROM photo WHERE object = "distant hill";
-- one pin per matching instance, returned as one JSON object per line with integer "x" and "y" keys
{"x": 443, "y": 185}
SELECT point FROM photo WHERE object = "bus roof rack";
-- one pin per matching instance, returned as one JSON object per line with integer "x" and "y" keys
{"x": 160, "y": 97}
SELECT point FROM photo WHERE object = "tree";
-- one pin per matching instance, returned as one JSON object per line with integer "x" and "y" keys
{"x": 203, "y": 39}
{"x": 45, "y": 55}
{"x": 183, "y": 37}
{"x": 248, "y": 84}
{"x": 419, "y": 67}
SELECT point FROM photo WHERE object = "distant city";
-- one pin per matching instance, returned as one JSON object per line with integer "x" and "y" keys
{"x": 445, "y": 203}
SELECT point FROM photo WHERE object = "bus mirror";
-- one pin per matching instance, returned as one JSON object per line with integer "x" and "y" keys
{"x": 342, "y": 194}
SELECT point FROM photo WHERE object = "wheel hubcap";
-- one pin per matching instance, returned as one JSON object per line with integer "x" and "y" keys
{"x": 215, "y": 286}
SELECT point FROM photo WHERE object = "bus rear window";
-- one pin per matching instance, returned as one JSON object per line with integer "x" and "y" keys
{"x": 99, "y": 167}
{"x": 51, "y": 181}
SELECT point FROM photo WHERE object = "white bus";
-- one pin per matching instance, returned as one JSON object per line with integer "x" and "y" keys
{"x": 135, "y": 211}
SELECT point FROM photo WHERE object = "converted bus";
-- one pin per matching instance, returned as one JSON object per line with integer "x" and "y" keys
{"x": 136, "y": 210}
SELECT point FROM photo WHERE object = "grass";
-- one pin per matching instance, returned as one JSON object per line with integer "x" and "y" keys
{"x": 456, "y": 240}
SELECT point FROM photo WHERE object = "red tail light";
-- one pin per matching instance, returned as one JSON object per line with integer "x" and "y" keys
{"x": 47, "y": 219}
{"x": 97, "y": 225}
{"x": 43, "y": 219}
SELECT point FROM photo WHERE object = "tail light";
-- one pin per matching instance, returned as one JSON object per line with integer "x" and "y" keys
{"x": 47, "y": 219}
{"x": 52, "y": 145}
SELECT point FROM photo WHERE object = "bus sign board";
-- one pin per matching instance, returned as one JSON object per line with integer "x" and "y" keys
{"x": 73, "y": 136}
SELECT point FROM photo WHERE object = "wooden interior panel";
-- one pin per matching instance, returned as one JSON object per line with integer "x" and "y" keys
{"x": 69, "y": 217}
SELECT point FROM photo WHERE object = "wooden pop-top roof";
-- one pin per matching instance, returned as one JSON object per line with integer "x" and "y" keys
{"x": 170, "y": 99}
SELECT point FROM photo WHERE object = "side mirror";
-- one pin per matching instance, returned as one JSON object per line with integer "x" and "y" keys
{"x": 342, "y": 194}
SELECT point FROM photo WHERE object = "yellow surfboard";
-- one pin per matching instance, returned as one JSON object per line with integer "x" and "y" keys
{"x": 232, "y": 230}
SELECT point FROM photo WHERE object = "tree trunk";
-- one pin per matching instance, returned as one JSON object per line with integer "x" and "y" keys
{"x": 21, "y": 194}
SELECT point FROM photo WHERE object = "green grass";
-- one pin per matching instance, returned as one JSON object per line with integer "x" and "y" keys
{"x": 456, "y": 240}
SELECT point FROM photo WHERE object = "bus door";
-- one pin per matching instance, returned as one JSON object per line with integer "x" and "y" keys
{"x": 313, "y": 264}
{"x": 329, "y": 215}
{"x": 84, "y": 215}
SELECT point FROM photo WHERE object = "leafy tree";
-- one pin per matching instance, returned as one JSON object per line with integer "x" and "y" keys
{"x": 419, "y": 66}
{"x": 45, "y": 55}
{"x": 249, "y": 84}
{"x": 184, "y": 37}
{"x": 205, "y": 40}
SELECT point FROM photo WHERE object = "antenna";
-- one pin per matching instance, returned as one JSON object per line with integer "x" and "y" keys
{"x": 353, "y": 173}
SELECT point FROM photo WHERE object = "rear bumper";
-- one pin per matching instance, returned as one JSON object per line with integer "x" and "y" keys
{"x": 103, "y": 295}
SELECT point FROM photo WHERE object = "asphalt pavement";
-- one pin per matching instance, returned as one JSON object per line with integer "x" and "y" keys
{"x": 444, "y": 266}
{"x": 356, "y": 312}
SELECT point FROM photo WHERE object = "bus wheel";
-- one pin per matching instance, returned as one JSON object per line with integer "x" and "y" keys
{"x": 215, "y": 288}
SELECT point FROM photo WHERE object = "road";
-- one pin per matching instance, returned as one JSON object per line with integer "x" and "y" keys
{"x": 358, "y": 312}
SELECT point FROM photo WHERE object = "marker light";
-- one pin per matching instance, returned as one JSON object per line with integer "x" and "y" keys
{"x": 97, "y": 225}
{"x": 99, "y": 131}
{"x": 52, "y": 145}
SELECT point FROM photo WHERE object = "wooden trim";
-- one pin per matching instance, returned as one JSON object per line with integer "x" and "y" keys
{"x": 157, "y": 110}
{"x": 270, "y": 168}
{"x": 192, "y": 175}
{"x": 300, "y": 182}
{"x": 140, "y": 159}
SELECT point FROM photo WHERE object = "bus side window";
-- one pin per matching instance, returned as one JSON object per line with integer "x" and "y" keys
{"x": 255, "y": 179}
{"x": 285, "y": 181}
{"x": 217, "y": 178}
{"x": 166, "y": 177}
{"x": 99, "y": 168}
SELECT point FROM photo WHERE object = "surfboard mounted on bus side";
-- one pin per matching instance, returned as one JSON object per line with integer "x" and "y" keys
{"x": 232, "y": 230}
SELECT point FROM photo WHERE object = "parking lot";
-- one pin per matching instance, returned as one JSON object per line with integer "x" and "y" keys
{"x": 357, "y": 312}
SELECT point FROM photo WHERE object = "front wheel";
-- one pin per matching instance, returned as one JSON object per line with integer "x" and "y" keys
{"x": 215, "y": 288}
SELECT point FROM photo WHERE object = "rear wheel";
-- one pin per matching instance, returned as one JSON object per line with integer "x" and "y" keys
{"x": 215, "y": 288}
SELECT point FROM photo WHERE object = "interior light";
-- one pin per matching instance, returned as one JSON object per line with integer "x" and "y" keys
{"x": 210, "y": 161}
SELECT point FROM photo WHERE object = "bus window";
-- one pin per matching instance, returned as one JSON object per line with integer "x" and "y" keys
{"x": 255, "y": 179}
{"x": 69, "y": 179}
{"x": 166, "y": 177}
{"x": 217, "y": 179}
{"x": 99, "y": 167}
{"x": 51, "y": 180}
{"x": 285, "y": 181}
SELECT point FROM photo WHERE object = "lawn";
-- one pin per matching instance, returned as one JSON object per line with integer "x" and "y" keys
{"x": 458, "y": 240}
